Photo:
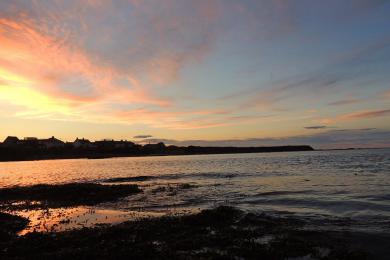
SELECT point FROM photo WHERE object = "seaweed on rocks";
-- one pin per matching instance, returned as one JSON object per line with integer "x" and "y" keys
{"x": 63, "y": 195}
{"x": 220, "y": 233}
{"x": 129, "y": 179}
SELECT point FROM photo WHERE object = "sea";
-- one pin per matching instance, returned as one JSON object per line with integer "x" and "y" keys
{"x": 334, "y": 189}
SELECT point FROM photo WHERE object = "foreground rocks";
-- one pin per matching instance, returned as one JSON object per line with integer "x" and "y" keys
{"x": 221, "y": 233}
{"x": 10, "y": 224}
{"x": 65, "y": 195}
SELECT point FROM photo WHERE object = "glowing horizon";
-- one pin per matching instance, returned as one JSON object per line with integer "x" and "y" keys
{"x": 221, "y": 72}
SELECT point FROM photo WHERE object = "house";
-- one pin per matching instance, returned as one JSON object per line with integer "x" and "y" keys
{"x": 154, "y": 148}
{"x": 123, "y": 144}
{"x": 82, "y": 143}
{"x": 105, "y": 144}
{"x": 29, "y": 142}
{"x": 112, "y": 144}
{"x": 11, "y": 141}
{"x": 52, "y": 142}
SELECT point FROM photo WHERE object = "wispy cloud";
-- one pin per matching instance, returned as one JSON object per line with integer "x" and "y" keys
{"x": 358, "y": 115}
{"x": 367, "y": 129}
{"x": 316, "y": 127}
{"x": 142, "y": 136}
{"x": 342, "y": 102}
{"x": 366, "y": 114}
{"x": 329, "y": 139}
{"x": 59, "y": 71}
{"x": 48, "y": 54}
{"x": 345, "y": 68}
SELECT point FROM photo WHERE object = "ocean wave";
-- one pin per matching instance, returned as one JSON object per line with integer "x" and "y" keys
{"x": 208, "y": 175}
{"x": 128, "y": 179}
{"x": 276, "y": 193}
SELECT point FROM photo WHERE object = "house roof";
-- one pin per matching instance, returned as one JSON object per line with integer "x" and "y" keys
{"x": 52, "y": 140}
{"x": 82, "y": 140}
{"x": 11, "y": 139}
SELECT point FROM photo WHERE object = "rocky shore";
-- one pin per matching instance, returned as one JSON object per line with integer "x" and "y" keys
{"x": 221, "y": 233}
{"x": 65, "y": 195}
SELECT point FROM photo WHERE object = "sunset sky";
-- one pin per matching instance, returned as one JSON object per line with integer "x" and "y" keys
{"x": 205, "y": 72}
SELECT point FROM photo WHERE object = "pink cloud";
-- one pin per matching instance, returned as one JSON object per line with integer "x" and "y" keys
{"x": 193, "y": 119}
{"x": 367, "y": 114}
{"x": 346, "y": 101}
{"x": 47, "y": 61}
{"x": 126, "y": 65}
{"x": 357, "y": 115}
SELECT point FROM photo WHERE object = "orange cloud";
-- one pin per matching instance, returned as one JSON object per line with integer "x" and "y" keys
{"x": 367, "y": 114}
{"x": 47, "y": 58}
{"x": 32, "y": 62}
{"x": 48, "y": 48}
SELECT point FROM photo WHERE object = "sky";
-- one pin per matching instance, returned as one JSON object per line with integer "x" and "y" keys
{"x": 204, "y": 72}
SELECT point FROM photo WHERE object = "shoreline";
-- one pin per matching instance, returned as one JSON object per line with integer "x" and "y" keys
{"x": 97, "y": 157}
{"x": 108, "y": 156}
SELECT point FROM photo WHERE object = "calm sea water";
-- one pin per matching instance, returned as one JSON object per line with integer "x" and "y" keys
{"x": 351, "y": 185}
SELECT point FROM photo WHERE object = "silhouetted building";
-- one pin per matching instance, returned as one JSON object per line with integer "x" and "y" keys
{"x": 11, "y": 141}
{"x": 154, "y": 148}
{"x": 82, "y": 143}
{"x": 123, "y": 144}
{"x": 30, "y": 139}
{"x": 105, "y": 144}
{"x": 52, "y": 142}
{"x": 31, "y": 142}
{"x": 112, "y": 144}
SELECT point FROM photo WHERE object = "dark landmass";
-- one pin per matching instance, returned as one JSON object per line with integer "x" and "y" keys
{"x": 353, "y": 148}
{"x": 221, "y": 233}
{"x": 30, "y": 151}
{"x": 65, "y": 195}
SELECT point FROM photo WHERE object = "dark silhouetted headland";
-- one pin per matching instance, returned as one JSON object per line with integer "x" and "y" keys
{"x": 31, "y": 148}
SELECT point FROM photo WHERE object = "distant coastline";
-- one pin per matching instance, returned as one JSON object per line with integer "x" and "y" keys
{"x": 352, "y": 148}
{"x": 28, "y": 149}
